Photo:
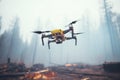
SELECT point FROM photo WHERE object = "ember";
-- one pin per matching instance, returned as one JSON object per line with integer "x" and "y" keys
{"x": 13, "y": 71}
{"x": 71, "y": 65}
{"x": 44, "y": 74}
{"x": 85, "y": 79}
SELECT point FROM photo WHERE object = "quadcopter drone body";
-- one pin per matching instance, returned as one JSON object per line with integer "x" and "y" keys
{"x": 58, "y": 35}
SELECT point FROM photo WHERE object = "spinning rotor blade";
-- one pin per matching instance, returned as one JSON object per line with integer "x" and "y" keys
{"x": 73, "y": 22}
{"x": 77, "y": 33}
{"x": 40, "y": 32}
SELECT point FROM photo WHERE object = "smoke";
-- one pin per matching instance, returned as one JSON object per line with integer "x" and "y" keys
{"x": 18, "y": 43}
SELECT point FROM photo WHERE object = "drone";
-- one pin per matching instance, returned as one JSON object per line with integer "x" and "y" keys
{"x": 58, "y": 35}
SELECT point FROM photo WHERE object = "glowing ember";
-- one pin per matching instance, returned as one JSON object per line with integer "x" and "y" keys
{"x": 85, "y": 79}
{"x": 44, "y": 74}
{"x": 70, "y": 65}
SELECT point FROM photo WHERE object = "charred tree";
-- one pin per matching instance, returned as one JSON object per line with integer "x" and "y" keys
{"x": 111, "y": 29}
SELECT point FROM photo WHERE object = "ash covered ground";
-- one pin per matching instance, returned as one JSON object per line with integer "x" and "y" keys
{"x": 14, "y": 71}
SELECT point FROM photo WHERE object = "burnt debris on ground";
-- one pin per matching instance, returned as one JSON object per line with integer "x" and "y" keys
{"x": 14, "y": 71}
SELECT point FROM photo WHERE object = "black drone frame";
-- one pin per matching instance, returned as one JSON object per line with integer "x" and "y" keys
{"x": 66, "y": 31}
{"x": 50, "y": 36}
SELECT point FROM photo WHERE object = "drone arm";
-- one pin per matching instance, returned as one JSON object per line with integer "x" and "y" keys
{"x": 69, "y": 38}
{"x": 72, "y": 31}
{"x": 66, "y": 31}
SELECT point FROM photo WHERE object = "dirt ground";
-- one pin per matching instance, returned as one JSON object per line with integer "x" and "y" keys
{"x": 71, "y": 72}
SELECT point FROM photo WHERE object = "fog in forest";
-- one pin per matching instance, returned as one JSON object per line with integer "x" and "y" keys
{"x": 99, "y": 22}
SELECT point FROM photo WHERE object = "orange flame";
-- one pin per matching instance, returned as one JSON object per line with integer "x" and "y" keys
{"x": 70, "y": 65}
{"x": 44, "y": 75}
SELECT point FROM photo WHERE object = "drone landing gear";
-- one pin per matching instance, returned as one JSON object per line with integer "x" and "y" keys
{"x": 69, "y": 38}
{"x": 50, "y": 42}
{"x": 44, "y": 36}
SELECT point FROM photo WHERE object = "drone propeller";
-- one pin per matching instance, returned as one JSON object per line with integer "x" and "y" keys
{"x": 40, "y": 32}
{"x": 73, "y": 22}
{"x": 77, "y": 33}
